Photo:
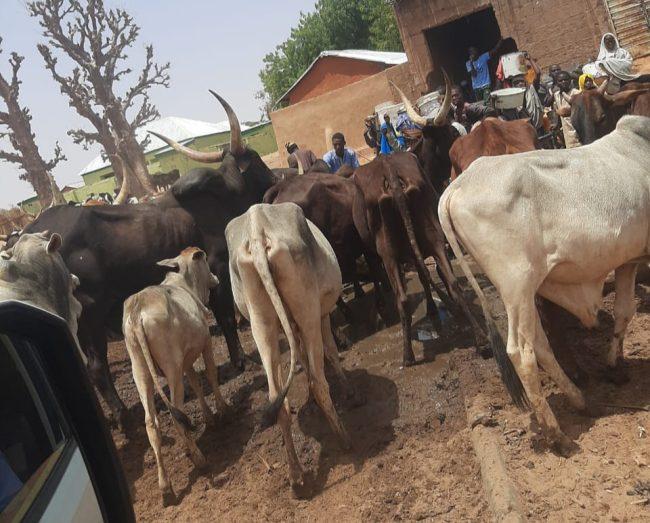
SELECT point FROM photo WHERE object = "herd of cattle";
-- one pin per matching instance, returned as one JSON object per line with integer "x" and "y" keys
{"x": 553, "y": 223}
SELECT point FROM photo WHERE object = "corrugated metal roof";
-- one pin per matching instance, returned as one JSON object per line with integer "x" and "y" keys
{"x": 384, "y": 57}
{"x": 174, "y": 127}
{"x": 631, "y": 20}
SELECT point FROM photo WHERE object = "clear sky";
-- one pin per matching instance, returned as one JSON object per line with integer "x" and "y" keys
{"x": 216, "y": 44}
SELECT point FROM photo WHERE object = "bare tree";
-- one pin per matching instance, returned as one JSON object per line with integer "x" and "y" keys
{"x": 96, "y": 40}
{"x": 15, "y": 125}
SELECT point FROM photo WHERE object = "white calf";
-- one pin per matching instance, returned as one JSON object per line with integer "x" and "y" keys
{"x": 554, "y": 223}
{"x": 284, "y": 274}
{"x": 166, "y": 329}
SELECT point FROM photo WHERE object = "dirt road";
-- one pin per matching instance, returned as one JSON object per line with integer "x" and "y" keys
{"x": 412, "y": 457}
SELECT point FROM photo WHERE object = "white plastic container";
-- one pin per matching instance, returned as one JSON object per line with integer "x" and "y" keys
{"x": 513, "y": 64}
{"x": 509, "y": 98}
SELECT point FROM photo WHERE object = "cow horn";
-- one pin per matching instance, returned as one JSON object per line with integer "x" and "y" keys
{"x": 198, "y": 156}
{"x": 410, "y": 110}
{"x": 236, "y": 143}
{"x": 441, "y": 117}
{"x": 416, "y": 118}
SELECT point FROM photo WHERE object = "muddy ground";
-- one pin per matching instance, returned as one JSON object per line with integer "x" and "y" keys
{"x": 412, "y": 457}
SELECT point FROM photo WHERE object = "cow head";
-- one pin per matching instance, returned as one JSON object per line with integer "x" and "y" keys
{"x": 240, "y": 167}
{"x": 33, "y": 271}
{"x": 192, "y": 266}
{"x": 437, "y": 138}
{"x": 594, "y": 112}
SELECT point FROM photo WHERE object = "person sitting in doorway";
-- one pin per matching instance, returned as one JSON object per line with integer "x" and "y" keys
{"x": 477, "y": 67}
{"x": 300, "y": 157}
{"x": 340, "y": 155}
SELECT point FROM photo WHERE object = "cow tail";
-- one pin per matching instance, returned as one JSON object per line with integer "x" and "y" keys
{"x": 261, "y": 264}
{"x": 506, "y": 368}
{"x": 405, "y": 213}
{"x": 141, "y": 337}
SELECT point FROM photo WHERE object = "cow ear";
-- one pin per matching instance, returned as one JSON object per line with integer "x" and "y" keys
{"x": 54, "y": 244}
{"x": 172, "y": 263}
{"x": 198, "y": 254}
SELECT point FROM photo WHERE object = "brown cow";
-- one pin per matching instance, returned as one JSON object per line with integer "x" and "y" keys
{"x": 594, "y": 113}
{"x": 395, "y": 212}
{"x": 493, "y": 137}
{"x": 327, "y": 201}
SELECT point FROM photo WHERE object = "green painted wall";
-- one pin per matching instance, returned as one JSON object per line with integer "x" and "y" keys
{"x": 260, "y": 138}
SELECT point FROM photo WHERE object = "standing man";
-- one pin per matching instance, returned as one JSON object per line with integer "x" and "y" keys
{"x": 303, "y": 157}
{"x": 340, "y": 155}
{"x": 562, "y": 107}
{"x": 477, "y": 67}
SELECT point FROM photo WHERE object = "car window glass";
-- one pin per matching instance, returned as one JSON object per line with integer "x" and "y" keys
{"x": 32, "y": 434}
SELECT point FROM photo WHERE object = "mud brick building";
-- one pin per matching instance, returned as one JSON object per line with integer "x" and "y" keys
{"x": 438, "y": 32}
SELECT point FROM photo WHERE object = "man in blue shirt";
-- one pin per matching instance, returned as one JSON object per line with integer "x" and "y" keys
{"x": 477, "y": 67}
{"x": 340, "y": 155}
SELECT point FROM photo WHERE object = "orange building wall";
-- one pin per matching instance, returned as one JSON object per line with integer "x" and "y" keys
{"x": 312, "y": 122}
{"x": 332, "y": 72}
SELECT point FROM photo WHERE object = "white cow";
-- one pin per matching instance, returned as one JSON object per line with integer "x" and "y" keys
{"x": 284, "y": 274}
{"x": 554, "y": 223}
{"x": 33, "y": 271}
{"x": 166, "y": 329}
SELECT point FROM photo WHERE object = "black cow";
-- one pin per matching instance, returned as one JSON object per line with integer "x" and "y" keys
{"x": 432, "y": 150}
{"x": 114, "y": 250}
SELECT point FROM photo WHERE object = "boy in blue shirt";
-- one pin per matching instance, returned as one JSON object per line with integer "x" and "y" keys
{"x": 477, "y": 67}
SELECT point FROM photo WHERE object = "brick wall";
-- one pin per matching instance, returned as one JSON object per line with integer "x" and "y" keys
{"x": 552, "y": 31}
{"x": 312, "y": 122}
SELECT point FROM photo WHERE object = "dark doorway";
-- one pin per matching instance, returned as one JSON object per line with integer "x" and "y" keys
{"x": 448, "y": 45}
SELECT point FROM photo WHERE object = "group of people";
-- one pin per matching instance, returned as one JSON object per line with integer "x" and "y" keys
{"x": 545, "y": 95}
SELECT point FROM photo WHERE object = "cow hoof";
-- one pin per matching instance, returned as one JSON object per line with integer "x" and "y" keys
{"x": 593, "y": 410}
{"x": 199, "y": 461}
{"x": 484, "y": 351}
{"x": 301, "y": 488}
{"x": 618, "y": 375}
{"x": 169, "y": 498}
{"x": 564, "y": 446}
{"x": 408, "y": 362}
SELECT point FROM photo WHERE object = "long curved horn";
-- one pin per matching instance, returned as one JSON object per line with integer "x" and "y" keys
{"x": 198, "y": 156}
{"x": 441, "y": 117}
{"x": 236, "y": 142}
{"x": 415, "y": 117}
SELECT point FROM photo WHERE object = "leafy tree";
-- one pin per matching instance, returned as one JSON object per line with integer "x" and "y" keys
{"x": 334, "y": 24}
